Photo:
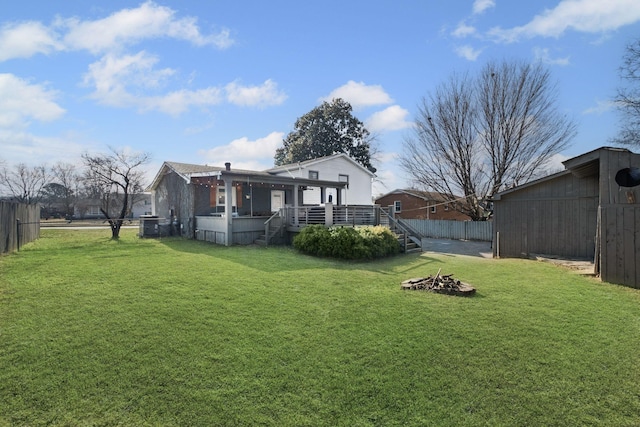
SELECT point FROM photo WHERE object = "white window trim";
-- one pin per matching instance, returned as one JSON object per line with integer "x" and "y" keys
{"x": 220, "y": 200}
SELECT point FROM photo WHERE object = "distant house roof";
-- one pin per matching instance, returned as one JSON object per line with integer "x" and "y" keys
{"x": 307, "y": 163}
{"x": 424, "y": 195}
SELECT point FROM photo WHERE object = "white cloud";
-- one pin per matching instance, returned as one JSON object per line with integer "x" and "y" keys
{"x": 246, "y": 154}
{"x": 26, "y": 39}
{"x": 112, "y": 76}
{"x": 555, "y": 163}
{"x": 600, "y": 107}
{"x": 177, "y": 102}
{"x": 588, "y": 16}
{"x": 479, "y": 6}
{"x": 463, "y": 30}
{"x": 24, "y": 147}
{"x": 129, "y": 81}
{"x": 391, "y": 118}
{"x": 21, "y": 101}
{"x": 123, "y": 28}
{"x": 467, "y": 52}
{"x": 263, "y": 95}
{"x": 389, "y": 175}
{"x": 360, "y": 95}
{"x": 543, "y": 55}
{"x": 129, "y": 26}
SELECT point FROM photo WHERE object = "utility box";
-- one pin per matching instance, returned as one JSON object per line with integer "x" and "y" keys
{"x": 149, "y": 226}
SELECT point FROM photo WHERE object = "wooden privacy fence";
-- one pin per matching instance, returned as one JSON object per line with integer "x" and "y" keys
{"x": 19, "y": 224}
{"x": 443, "y": 229}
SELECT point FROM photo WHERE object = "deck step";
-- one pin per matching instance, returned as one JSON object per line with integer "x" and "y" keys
{"x": 411, "y": 245}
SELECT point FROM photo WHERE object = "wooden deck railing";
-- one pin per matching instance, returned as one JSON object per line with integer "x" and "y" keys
{"x": 332, "y": 215}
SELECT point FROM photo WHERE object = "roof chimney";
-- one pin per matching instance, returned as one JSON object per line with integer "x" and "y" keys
{"x": 227, "y": 166}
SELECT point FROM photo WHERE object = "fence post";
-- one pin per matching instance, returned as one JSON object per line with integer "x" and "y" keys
{"x": 18, "y": 233}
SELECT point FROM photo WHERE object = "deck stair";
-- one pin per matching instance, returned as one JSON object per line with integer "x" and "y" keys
{"x": 409, "y": 241}
{"x": 274, "y": 230}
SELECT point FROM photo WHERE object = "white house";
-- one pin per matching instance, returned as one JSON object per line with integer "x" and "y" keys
{"x": 338, "y": 167}
{"x": 234, "y": 206}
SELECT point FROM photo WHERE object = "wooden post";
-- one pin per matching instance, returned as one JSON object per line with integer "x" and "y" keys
{"x": 18, "y": 233}
{"x": 228, "y": 211}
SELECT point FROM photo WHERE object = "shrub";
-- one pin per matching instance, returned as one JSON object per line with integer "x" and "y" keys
{"x": 347, "y": 242}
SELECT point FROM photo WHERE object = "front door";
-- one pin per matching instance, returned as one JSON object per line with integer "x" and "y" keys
{"x": 277, "y": 200}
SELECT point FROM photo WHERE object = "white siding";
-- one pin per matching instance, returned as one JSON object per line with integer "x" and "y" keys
{"x": 359, "y": 191}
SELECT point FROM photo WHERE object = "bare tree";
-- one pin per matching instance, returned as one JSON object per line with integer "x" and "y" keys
{"x": 67, "y": 176}
{"x": 24, "y": 183}
{"x": 476, "y": 136}
{"x": 628, "y": 97}
{"x": 115, "y": 177}
{"x": 443, "y": 154}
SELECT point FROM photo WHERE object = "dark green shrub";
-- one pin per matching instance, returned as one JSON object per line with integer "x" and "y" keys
{"x": 347, "y": 242}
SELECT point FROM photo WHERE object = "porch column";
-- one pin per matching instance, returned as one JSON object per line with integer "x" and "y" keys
{"x": 228, "y": 211}
{"x": 296, "y": 190}
{"x": 328, "y": 214}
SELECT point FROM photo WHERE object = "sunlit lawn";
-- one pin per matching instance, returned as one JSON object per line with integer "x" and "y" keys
{"x": 177, "y": 332}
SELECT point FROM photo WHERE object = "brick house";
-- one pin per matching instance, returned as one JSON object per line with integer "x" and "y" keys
{"x": 416, "y": 204}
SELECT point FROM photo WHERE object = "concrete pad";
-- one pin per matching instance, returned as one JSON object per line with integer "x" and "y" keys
{"x": 458, "y": 247}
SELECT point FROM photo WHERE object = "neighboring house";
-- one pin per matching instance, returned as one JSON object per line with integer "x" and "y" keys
{"x": 591, "y": 210}
{"x": 416, "y": 204}
{"x": 90, "y": 208}
{"x": 141, "y": 205}
{"x": 195, "y": 199}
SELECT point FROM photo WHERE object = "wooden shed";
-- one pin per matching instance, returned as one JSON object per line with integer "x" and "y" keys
{"x": 583, "y": 212}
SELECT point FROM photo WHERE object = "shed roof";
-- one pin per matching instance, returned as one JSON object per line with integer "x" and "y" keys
{"x": 588, "y": 164}
{"x": 582, "y": 166}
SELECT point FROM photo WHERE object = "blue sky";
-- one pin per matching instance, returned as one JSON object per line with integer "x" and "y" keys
{"x": 215, "y": 81}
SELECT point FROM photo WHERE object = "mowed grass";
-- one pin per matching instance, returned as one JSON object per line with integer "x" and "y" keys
{"x": 176, "y": 332}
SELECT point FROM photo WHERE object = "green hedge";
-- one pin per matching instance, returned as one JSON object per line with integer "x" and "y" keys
{"x": 366, "y": 242}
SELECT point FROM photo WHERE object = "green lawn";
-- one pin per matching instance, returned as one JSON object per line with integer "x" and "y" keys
{"x": 173, "y": 332}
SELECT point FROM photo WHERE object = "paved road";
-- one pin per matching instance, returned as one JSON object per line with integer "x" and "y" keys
{"x": 82, "y": 227}
{"x": 458, "y": 247}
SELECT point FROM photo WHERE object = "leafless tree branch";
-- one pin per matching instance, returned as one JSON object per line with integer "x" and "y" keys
{"x": 476, "y": 136}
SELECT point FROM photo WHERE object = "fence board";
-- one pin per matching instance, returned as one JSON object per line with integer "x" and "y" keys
{"x": 444, "y": 229}
{"x": 19, "y": 224}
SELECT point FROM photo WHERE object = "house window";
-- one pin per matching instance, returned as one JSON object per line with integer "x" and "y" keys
{"x": 343, "y": 178}
{"x": 314, "y": 175}
{"x": 397, "y": 206}
{"x": 446, "y": 207}
{"x": 433, "y": 209}
{"x": 220, "y": 197}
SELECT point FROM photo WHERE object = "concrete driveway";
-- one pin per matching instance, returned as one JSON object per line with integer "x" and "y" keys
{"x": 458, "y": 247}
